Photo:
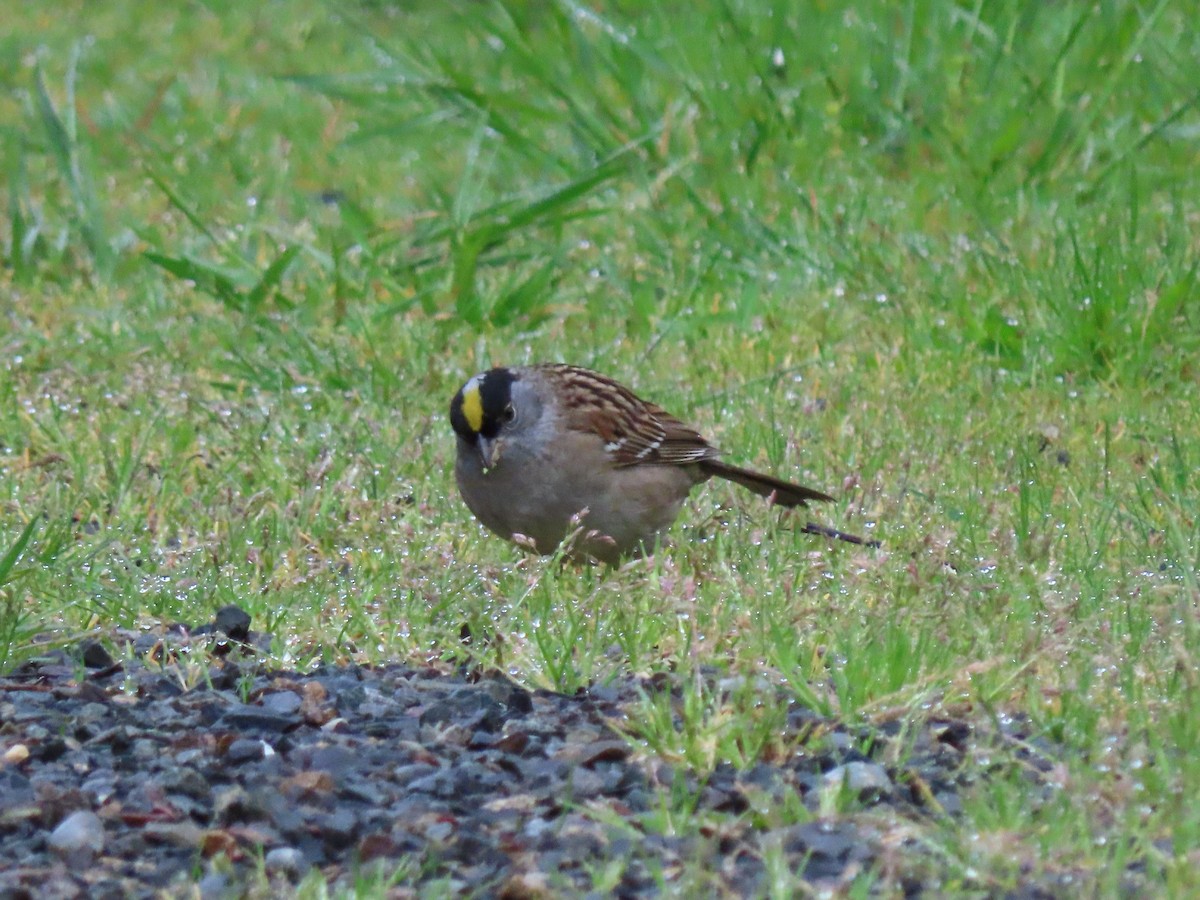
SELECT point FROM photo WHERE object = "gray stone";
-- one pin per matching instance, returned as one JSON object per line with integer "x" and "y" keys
{"x": 78, "y": 839}
{"x": 285, "y": 861}
{"x": 859, "y": 777}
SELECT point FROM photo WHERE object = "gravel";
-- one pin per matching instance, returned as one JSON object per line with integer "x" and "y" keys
{"x": 181, "y": 768}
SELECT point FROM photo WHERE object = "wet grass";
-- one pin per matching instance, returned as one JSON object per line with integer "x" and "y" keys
{"x": 936, "y": 259}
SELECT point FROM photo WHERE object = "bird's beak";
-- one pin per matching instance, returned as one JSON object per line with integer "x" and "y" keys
{"x": 489, "y": 452}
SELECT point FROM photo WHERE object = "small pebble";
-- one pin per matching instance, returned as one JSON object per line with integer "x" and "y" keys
{"x": 234, "y": 621}
{"x": 78, "y": 839}
{"x": 859, "y": 777}
{"x": 95, "y": 656}
{"x": 285, "y": 861}
{"x": 215, "y": 886}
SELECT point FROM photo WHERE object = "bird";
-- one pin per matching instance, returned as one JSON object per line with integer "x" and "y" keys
{"x": 551, "y": 451}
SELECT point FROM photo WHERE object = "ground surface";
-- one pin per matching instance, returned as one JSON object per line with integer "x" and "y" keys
{"x": 120, "y": 780}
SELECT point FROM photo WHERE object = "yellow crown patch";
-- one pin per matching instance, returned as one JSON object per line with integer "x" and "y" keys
{"x": 472, "y": 405}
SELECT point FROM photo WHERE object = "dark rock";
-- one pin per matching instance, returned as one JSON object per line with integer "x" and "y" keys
{"x": 281, "y": 703}
{"x": 50, "y": 750}
{"x": 15, "y": 789}
{"x": 246, "y": 750}
{"x": 233, "y": 621}
{"x": 339, "y": 828}
{"x": 466, "y": 708}
{"x": 188, "y": 782}
{"x": 95, "y": 655}
{"x": 256, "y": 719}
{"x": 335, "y": 759}
{"x": 826, "y": 847}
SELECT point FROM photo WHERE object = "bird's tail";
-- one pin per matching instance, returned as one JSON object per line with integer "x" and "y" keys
{"x": 782, "y": 492}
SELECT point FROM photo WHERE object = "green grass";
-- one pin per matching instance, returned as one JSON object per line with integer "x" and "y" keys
{"x": 939, "y": 259}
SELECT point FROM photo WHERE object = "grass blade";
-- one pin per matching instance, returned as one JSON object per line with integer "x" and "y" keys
{"x": 9, "y": 560}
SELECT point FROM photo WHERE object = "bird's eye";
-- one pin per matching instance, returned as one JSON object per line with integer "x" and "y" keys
{"x": 508, "y": 415}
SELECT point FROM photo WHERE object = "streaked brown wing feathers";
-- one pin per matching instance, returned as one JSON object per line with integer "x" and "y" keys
{"x": 635, "y": 432}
